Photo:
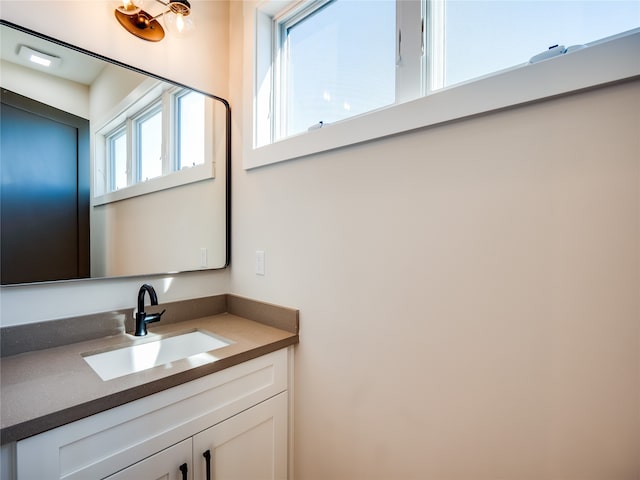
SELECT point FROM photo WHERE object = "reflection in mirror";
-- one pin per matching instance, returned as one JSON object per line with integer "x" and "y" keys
{"x": 106, "y": 170}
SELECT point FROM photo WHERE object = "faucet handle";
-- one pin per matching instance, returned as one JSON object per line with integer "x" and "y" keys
{"x": 154, "y": 317}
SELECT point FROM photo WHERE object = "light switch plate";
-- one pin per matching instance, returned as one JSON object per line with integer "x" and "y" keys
{"x": 259, "y": 262}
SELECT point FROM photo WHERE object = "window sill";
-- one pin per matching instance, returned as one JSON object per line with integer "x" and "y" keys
{"x": 175, "y": 179}
{"x": 600, "y": 64}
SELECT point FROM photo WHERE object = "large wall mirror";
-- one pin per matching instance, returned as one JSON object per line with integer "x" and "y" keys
{"x": 106, "y": 170}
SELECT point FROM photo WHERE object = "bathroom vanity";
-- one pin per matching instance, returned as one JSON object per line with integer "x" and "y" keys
{"x": 217, "y": 414}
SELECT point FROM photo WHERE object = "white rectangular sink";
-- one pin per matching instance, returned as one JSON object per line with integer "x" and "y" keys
{"x": 135, "y": 358}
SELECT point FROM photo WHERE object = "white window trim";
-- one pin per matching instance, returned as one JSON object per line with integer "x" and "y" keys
{"x": 611, "y": 60}
{"x": 147, "y": 92}
{"x": 175, "y": 179}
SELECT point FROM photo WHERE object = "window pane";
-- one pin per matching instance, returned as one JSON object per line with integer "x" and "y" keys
{"x": 150, "y": 146}
{"x": 118, "y": 152}
{"x": 191, "y": 126}
{"x": 341, "y": 63}
{"x": 483, "y": 36}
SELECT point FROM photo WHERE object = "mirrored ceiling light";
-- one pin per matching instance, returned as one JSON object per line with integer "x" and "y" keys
{"x": 146, "y": 26}
{"x": 41, "y": 59}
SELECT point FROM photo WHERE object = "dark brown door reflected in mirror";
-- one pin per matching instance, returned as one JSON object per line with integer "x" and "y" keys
{"x": 44, "y": 194}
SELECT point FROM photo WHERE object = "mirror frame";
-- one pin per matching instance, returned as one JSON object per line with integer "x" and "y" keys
{"x": 227, "y": 160}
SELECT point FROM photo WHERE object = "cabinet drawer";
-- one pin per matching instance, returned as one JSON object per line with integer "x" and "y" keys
{"x": 99, "y": 445}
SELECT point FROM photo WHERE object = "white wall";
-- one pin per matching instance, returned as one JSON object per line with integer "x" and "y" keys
{"x": 469, "y": 294}
{"x": 62, "y": 94}
{"x": 200, "y": 61}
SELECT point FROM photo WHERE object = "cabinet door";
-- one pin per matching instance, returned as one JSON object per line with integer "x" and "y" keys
{"x": 252, "y": 445}
{"x": 173, "y": 463}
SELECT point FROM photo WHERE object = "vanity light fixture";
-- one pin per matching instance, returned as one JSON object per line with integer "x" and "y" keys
{"x": 146, "y": 26}
{"x": 39, "y": 58}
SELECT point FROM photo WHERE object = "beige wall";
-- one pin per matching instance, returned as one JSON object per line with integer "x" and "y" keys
{"x": 196, "y": 220}
{"x": 469, "y": 293}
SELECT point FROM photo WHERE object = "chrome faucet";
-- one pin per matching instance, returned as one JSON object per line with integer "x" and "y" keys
{"x": 142, "y": 318}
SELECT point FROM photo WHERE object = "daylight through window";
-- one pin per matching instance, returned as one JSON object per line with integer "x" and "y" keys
{"x": 166, "y": 134}
{"x": 335, "y": 59}
{"x": 339, "y": 62}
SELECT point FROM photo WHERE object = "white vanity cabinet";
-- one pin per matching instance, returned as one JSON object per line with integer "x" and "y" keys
{"x": 239, "y": 415}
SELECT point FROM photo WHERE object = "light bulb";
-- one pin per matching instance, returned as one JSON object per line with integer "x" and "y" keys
{"x": 178, "y": 24}
{"x": 129, "y": 7}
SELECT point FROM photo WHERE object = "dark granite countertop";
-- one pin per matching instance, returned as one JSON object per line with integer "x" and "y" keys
{"x": 45, "y": 388}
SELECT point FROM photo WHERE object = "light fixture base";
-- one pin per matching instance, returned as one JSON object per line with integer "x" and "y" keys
{"x": 142, "y": 25}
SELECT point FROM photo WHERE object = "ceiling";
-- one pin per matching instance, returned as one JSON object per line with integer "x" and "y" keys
{"x": 75, "y": 66}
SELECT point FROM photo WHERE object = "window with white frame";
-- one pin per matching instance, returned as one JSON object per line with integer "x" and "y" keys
{"x": 117, "y": 159}
{"x": 148, "y": 144}
{"x": 190, "y": 140}
{"x": 318, "y": 62}
{"x": 478, "y": 38}
{"x": 337, "y": 61}
{"x": 168, "y": 130}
